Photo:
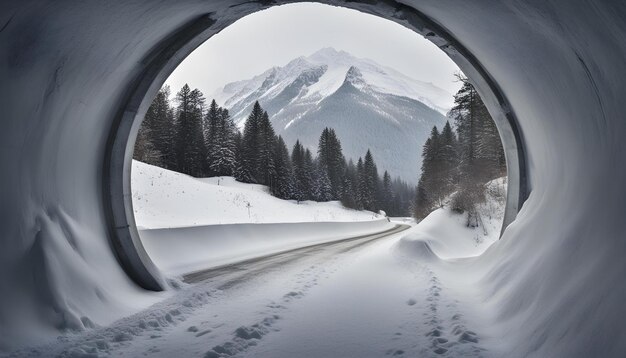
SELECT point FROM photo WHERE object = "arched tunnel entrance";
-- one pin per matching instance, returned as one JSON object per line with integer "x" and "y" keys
{"x": 77, "y": 76}
{"x": 168, "y": 54}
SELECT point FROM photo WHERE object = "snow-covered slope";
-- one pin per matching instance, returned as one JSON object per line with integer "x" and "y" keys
{"x": 166, "y": 199}
{"x": 369, "y": 105}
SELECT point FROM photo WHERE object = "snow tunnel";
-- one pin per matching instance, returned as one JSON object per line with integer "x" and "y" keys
{"x": 77, "y": 76}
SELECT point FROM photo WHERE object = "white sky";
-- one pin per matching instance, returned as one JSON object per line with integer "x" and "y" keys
{"x": 275, "y": 36}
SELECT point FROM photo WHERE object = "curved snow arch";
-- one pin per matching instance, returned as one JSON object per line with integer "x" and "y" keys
{"x": 173, "y": 49}
{"x": 67, "y": 67}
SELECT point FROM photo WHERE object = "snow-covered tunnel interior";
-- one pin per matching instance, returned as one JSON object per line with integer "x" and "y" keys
{"x": 77, "y": 74}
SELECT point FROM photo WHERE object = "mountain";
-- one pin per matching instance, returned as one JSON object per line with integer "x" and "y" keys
{"x": 368, "y": 105}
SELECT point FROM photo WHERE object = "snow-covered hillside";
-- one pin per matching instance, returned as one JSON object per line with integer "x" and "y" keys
{"x": 369, "y": 106}
{"x": 165, "y": 199}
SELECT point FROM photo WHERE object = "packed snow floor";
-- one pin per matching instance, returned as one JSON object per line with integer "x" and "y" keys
{"x": 385, "y": 295}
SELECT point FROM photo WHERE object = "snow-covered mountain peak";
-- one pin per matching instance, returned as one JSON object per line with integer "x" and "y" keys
{"x": 369, "y": 105}
{"x": 355, "y": 77}
{"x": 354, "y": 74}
{"x": 337, "y": 64}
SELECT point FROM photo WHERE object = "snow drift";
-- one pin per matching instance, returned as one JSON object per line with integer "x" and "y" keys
{"x": 554, "y": 280}
{"x": 444, "y": 234}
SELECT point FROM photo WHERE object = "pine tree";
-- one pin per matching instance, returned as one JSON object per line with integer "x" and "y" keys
{"x": 190, "y": 148}
{"x": 461, "y": 163}
{"x": 387, "y": 196}
{"x": 266, "y": 170}
{"x": 154, "y": 144}
{"x": 360, "y": 187}
{"x": 369, "y": 183}
{"x": 144, "y": 149}
{"x": 469, "y": 112}
{"x": 332, "y": 160}
{"x": 447, "y": 156}
{"x": 321, "y": 185}
{"x": 309, "y": 168}
{"x": 404, "y": 197}
{"x": 302, "y": 172}
{"x": 222, "y": 155}
{"x": 349, "y": 186}
{"x": 242, "y": 172}
{"x": 212, "y": 137}
{"x": 422, "y": 206}
{"x": 283, "y": 187}
{"x": 431, "y": 168}
{"x": 250, "y": 158}
{"x": 489, "y": 147}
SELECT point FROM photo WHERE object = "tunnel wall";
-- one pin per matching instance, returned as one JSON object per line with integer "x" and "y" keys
{"x": 555, "y": 279}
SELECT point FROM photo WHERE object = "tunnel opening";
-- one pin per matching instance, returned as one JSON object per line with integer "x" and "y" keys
{"x": 172, "y": 51}
{"x": 551, "y": 285}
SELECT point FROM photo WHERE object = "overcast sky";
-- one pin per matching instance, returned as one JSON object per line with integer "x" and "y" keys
{"x": 275, "y": 36}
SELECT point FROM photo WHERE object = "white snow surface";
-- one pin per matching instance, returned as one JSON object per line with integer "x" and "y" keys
{"x": 188, "y": 224}
{"x": 166, "y": 199}
{"x": 361, "y": 299}
{"x": 182, "y": 250}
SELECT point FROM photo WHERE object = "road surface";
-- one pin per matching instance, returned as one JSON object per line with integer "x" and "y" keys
{"x": 350, "y": 298}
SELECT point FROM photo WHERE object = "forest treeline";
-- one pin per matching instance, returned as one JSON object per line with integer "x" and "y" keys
{"x": 457, "y": 163}
{"x": 189, "y": 138}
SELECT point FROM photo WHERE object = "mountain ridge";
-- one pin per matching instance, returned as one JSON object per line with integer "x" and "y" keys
{"x": 366, "y": 98}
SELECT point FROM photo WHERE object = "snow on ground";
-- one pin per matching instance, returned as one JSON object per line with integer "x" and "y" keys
{"x": 188, "y": 224}
{"x": 447, "y": 235}
{"x": 165, "y": 199}
{"x": 181, "y": 250}
{"x": 387, "y": 297}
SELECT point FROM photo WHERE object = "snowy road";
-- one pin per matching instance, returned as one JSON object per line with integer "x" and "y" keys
{"x": 353, "y": 298}
{"x": 248, "y": 269}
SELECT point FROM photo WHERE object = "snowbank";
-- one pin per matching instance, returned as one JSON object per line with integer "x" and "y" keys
{"x": 183, "y": 250}
{"x": 444, "y": 234}
{"x": 165, "y": 199}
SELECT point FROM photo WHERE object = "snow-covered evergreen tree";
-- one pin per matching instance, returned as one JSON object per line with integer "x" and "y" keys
{"x": 212, "y": 137}
{"x": 461, "y": 163}
{"x": 322, "y": 188}
{"x": 155, "y": 139}
{"x": 349, "y": 186}
{"x": 332, "y": 160}
{"x": 222, "y": 159}
{"x": 368, "y": 183}
{"x": 284, "y": 185}
{"x": 190, "y": 146}
{"x": 266, "y": 169}
{"x": 250, "y": 157}
{"x": 386, "y": 199}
